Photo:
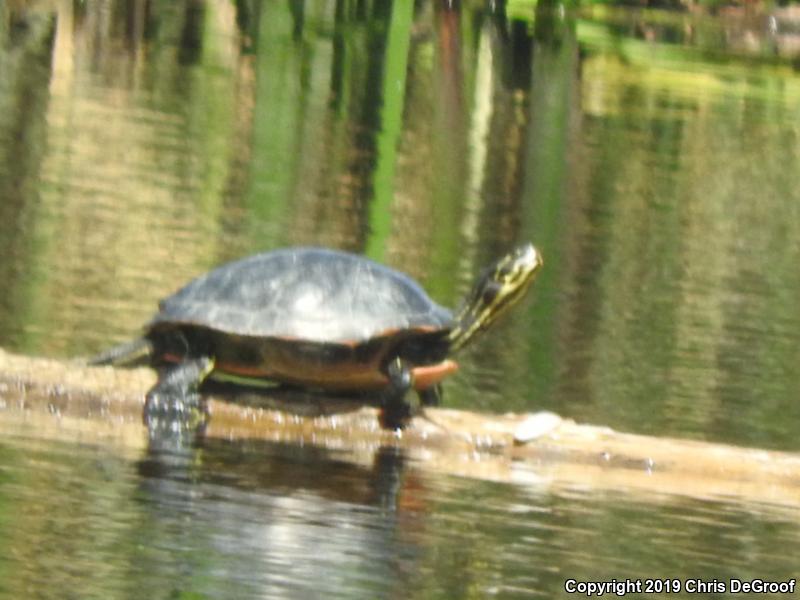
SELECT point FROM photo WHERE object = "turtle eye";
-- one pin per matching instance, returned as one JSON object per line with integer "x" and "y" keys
{"x": 507, "y": 274}
{"x": 510, "y": 269}
{"x": 490, "y": 293}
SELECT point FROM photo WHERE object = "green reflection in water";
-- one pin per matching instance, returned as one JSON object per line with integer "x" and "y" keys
{"x": 391, "y": 118}
{"x": 280, "y": 97}
{"x": 546, "y": 181}
{"x": 685, "y": 245}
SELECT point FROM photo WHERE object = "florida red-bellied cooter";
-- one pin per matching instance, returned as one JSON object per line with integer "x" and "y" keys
{"x": 317, "y": 318}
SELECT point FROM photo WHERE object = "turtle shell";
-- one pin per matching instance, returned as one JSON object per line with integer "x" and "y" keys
{"x": 305, "y": 294}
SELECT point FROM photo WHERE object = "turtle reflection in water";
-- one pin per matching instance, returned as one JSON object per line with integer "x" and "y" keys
{"x": 320, "y": 319}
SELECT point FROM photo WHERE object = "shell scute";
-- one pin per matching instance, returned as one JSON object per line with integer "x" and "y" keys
{"x": 308, "y": 294}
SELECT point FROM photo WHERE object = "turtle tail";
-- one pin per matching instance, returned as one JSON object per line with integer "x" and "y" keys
{"x": 134, "y": 352}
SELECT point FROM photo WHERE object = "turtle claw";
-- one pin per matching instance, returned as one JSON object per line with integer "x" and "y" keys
{"x": 174, "y": 407}
{"x": 396, "y": 410}
{"x": 174, "y": 418}
{"x": 186, "y": 408}
{"x": 396, "y": 413}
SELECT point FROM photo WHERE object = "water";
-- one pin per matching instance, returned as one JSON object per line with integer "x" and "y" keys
{"x": 264, "y": 520}
{"x": 652, "y": 156}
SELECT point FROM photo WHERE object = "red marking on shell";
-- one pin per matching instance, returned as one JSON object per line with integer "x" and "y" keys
{"x": 425, "y": 376}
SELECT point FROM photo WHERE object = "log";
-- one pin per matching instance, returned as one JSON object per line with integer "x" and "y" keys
{"x": 67, "y": 400}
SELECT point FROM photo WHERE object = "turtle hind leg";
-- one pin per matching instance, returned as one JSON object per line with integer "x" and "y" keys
{"x": 135, "y": 351}
{"x": 175, "y": 402}
{"x": 396, "y": 410}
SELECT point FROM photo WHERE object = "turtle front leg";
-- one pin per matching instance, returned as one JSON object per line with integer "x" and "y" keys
{"x": 175, "y": 399}
{"x": 396, "y": 411}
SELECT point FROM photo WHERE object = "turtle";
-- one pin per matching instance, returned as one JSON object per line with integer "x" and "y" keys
{"x": 320, "y": 319}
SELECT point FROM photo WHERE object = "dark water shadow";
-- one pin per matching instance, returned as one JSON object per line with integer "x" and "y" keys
{"x": 262, "y": 467}
{"x": 292, "y": 400}
{"x": 251, "y": 506}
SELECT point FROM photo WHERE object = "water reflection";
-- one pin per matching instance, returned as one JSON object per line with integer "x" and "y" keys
{"x": 248, "y": 519}
{"x": 271, "y": 516}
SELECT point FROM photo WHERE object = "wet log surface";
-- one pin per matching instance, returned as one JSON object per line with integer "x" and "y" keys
{"x": 66, "y": 400}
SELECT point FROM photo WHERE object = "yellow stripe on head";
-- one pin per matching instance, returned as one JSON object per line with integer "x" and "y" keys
{"x": 498, "y": 289}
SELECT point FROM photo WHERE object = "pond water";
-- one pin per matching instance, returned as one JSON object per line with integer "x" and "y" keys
{"x": 652, "y": 156}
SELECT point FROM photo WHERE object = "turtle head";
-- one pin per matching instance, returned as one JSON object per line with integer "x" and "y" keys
{"x": 499, "y": 287}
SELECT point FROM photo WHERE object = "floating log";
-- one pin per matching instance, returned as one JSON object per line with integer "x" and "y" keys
{"x": 63, "y": 399}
